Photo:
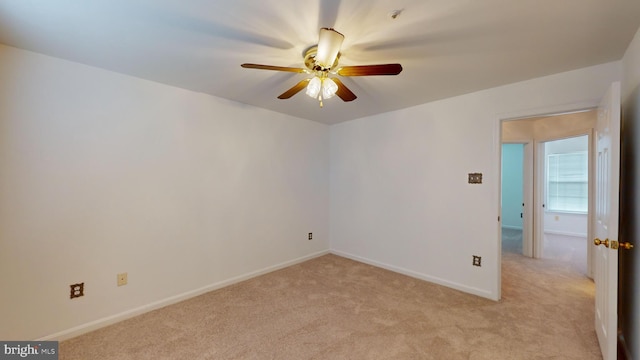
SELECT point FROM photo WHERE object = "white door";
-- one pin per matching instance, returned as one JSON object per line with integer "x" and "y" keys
{"x": 606, "y": 220}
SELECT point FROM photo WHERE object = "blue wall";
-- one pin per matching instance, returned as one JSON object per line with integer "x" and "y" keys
{"x": 512, "y": 184}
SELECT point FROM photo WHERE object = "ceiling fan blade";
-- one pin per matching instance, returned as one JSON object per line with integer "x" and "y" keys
{"x": 368, "y": 70}
{"x": 276, "y": 68}
{"x": 343, "y": 92}
{"x": 295, "y": 89}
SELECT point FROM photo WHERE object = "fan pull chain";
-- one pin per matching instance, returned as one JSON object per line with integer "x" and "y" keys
{"x": 320, "y": 99}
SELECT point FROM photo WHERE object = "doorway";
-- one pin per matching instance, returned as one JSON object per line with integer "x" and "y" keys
{"x": 548, "y": 232}
{"x": 565, "y": 180}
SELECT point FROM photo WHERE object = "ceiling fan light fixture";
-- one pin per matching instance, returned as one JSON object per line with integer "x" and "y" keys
{"x": 325, "y": 87}
{"x": 329, "y": 45}
{"x": 313, "y": 89}
{"x": 329, "y": 88}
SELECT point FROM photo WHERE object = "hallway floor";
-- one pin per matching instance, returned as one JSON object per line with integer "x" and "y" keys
{"x": 570, "y": 249}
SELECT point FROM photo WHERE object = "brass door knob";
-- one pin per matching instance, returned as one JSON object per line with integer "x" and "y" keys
{"x": 603, "y": 242}
{"x": 626, "y": 245}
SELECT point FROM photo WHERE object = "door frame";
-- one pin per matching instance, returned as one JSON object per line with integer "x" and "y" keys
{"x": 521, "y": 115}
{"x": 528, "y": 194}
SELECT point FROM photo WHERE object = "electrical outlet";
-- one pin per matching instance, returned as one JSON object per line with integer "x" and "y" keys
{"x": 122, "y": 279}
{"x": 477, "y": 260}
{"x": 310, "y": 236}
{"x": 77, "y": 290}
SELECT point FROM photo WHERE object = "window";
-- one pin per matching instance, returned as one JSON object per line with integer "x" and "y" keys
{"x": 568, "y": 182}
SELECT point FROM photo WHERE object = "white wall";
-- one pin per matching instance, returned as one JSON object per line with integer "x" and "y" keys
{"x": 549, "y": 127}
{"x": 567, "y": 224}
{"x": 630, "y": 67}
{"x": 102, "y": 173}
{"x": 399, "y": 191}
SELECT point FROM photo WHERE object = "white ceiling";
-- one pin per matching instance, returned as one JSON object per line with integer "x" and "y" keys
{"x": 446, "y": 47}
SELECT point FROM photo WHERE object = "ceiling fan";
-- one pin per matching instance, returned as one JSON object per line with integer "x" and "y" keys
{"x": 321, "y": 61}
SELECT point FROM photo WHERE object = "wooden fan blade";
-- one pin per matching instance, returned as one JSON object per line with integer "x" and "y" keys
{"x": 368, "y": 70}
{"x": 295, "y": 89}
{"x": 271, "y": 67}
{"x": 343, "y": 92}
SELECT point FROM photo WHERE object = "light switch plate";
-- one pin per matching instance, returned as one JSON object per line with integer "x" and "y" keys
{"x": 475, "y": 178}
{"x": 122, "y": 279}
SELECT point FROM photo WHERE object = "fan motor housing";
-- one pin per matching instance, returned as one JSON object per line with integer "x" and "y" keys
{"x": 310, "y": 60}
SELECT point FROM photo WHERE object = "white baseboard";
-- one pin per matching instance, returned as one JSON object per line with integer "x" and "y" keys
{"x": 100, "y": 323}
{"x": 512, "y": 227}
{"x": 464, "y": 288}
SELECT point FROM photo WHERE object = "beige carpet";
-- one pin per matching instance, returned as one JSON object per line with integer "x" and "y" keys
{"x": 569, "y": 249}
{"x": 335, "y": 308}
